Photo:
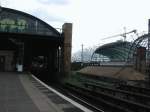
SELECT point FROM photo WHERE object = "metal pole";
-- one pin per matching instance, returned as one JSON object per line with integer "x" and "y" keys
{"x": 124, "y": 35}
{"x": 148, "y": 54}
{"x": 82, "y": 55}
{"x": 0, "y": 6}
{"x": 148, "y": 59}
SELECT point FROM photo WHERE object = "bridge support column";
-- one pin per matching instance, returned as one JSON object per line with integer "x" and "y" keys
{"x": 67, "y": 45}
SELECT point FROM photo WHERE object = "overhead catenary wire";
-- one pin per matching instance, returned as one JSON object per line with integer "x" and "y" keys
{"x": 123, "y": 34}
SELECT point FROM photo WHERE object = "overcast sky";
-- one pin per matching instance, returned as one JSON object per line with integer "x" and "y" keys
{"x": 92, "y": 19}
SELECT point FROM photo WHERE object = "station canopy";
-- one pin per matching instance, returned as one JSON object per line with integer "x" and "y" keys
{"x": 13, "y": 21}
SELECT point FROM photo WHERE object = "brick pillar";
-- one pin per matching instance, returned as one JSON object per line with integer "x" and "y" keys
{"x": 141, "y": 59}
{"x": 67, "y": 45}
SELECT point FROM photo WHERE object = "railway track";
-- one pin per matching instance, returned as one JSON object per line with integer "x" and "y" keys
{"x": 124, "y": 94}
{"x": 97, "y": 103}
{"x": 100, "y": 98}
{"x": 108, "y": 101}
{"x": 81, "y": 99}
{"x": 84, "y": 101}
{"x": 66, "y": 93}
{"x": 135, "y": 89}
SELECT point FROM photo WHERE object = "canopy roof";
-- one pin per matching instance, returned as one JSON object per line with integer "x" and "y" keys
{"x": 13, "y": 21}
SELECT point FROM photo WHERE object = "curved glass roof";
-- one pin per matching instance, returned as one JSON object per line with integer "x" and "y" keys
{"x": 14, "y": 21}
{"x": 115, "y": 51}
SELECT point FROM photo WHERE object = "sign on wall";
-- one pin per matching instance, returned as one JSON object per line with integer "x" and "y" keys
{"x": 20, "y": 22}
{"x": 13, "y": 25}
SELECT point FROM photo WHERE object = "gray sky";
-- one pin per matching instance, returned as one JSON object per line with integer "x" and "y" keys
{"x": 92, "y": 19}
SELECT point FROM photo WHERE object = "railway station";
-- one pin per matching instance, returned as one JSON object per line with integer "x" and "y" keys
{"x": 36, "y": 75}
{"x": 29, "y": 44}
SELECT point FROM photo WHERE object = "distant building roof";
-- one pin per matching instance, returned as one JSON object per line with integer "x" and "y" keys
{"x": 114, "y": 51}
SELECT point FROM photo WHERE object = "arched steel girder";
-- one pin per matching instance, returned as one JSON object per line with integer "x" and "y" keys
{"x": 135, "y": 44}
{"x": 125, "y": 49}
{"x": 110, "y": 52}
{"x": 139, "y": 40}
{"x": 105, "y": 53}
{"x": 114, "y": 44}
{"x": 116, "y": 55}
{"x": 120, "y": 51}
{"x": 117, "y": 49}
{"x": 123, "y": 52}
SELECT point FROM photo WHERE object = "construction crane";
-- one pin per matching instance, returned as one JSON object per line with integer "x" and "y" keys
{"x": 123, "y": 35}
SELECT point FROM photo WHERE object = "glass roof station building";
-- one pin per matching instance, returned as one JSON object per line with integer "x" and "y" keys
{"x": 124, "y": 53}
{"x": 115, "y": 51}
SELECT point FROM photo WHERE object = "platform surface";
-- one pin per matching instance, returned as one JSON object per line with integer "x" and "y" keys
{"x": 20, "y": 93}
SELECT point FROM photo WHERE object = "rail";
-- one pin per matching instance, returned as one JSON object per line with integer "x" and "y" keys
{"x": 135, "y": 89}
{"x": 110, "y": 101}
{"x": 128, "y": 95}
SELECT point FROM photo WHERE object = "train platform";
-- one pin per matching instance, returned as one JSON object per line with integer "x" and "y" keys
{"x": 20, "y": 92}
